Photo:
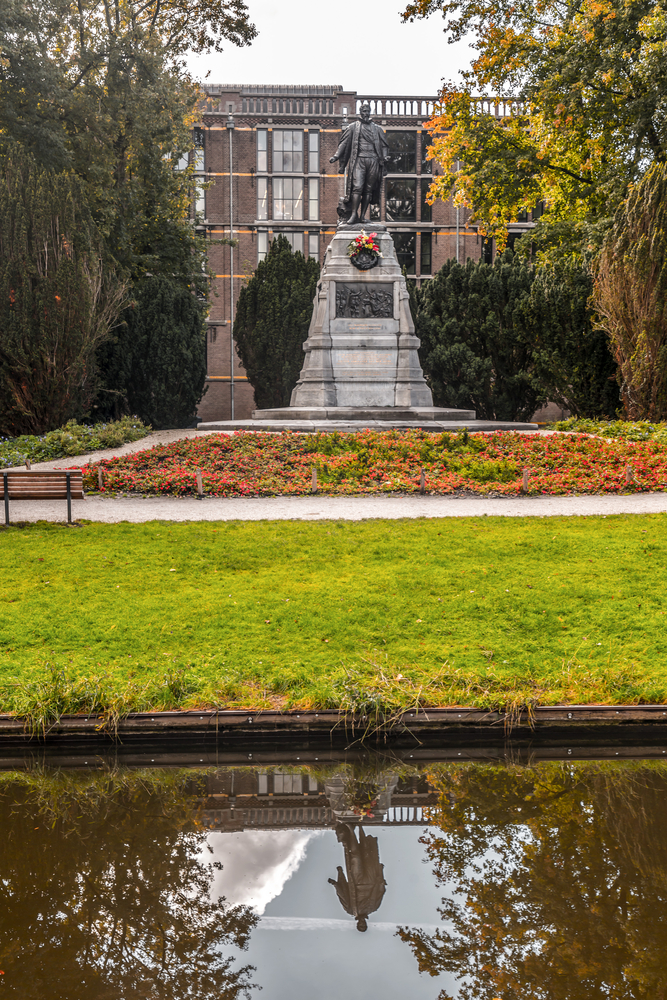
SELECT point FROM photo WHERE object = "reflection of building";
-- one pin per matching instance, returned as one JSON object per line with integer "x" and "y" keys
{"x": 279, "y": 140}
{"x": 277, "y": 800}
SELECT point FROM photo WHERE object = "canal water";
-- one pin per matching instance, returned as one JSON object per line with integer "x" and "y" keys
{"x": 369, "y": 879}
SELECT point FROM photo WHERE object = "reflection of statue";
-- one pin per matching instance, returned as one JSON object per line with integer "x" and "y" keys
{"x": 364, "y": 151}
{"x": 361, "y": 892}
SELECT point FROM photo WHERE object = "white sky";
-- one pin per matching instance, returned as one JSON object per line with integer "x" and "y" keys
{"x": 360, "y": 46}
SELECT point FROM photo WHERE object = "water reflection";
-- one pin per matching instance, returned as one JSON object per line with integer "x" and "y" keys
{"x": 540, "y": 883}
{"x": 561, "y": 877}
{"x": 104, "y": 893}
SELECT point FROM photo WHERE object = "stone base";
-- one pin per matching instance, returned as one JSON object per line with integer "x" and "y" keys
{"x": 361, "y": 350}
{"x": 350, "y": 426}
{"x": 363, "y": 414}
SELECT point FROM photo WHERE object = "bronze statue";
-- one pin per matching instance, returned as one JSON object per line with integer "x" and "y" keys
{"x": 361, "y": 893}
{"x": 364, "y": 151}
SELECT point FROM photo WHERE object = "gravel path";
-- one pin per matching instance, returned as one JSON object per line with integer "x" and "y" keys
{"x": 314, "y": 508}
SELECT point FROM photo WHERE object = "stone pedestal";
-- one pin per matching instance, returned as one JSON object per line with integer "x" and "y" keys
{"x": 361, "y": 349}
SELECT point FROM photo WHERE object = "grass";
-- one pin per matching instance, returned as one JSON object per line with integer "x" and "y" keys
{"x": 369, "y": 615}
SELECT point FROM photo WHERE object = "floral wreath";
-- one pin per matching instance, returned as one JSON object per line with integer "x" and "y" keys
{"x": 363, "y": 243}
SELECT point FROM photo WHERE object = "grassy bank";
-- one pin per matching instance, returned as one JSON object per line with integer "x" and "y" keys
{"x": 487, "y": 611}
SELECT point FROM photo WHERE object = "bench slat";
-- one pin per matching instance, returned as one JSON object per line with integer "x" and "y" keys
{"x": 50, "y": 485}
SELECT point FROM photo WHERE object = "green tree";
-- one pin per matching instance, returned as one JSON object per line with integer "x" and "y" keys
{"x": 571, "y": 356}
{"x": 154, "y": 365}
{"x": 580, "y": 111}
{"x": 272, "y": 319}
{"x": 474, "y": 351}
{"x": 630, "y": 294}
{"x": 57, "y": 300}
{"x": 97, "y": 86}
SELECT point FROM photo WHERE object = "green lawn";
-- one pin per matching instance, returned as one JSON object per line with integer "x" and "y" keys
{"x": 488, "y": 611}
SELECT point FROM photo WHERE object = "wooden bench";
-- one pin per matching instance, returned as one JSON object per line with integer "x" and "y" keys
{"x": 41, "y": 486}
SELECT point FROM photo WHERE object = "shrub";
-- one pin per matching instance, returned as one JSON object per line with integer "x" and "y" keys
{"x": 72, "y": 439}
{"x": 155, "y": 364}
{"x": 474, "y": 350}
{"x": 272, "y": 319}
{"x": 571, "y": 358}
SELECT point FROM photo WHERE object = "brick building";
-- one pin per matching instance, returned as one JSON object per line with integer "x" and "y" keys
{"x": 278, "y": 140}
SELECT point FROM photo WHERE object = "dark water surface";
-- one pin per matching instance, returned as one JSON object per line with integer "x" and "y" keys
{"x": 472, "y": 880}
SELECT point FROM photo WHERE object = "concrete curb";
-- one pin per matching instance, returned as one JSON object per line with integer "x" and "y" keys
{"x": 252, "y": 724}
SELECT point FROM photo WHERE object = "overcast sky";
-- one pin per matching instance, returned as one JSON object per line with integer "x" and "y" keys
{"x": 360, "y": 46}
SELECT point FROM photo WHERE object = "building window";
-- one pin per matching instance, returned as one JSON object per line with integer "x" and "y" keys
{"x": 314, "y": 152}
{"x": 262, "y": 245}
{"x": 425, "y": 255}
{"x": 427, "y": 210}
{"x": 400, "y": 200}
{"x": 288, "y": 152}
{"x": 538, "y": 211}
{"x": 183, "y": 162}
{"x": 200, "y": 166}
{"x": 427, "y": 165}
{"x": 314, "y": 246}
{"x": 287, "y": 198}
{"x": 287, "y": 784}
{"x": 406, "y": 250}
{"x": 402, "y": 152}
{"x": 295, "y": 240}
{"x": 262, "y": 147}
{"x": 313, "y": 198}
{"x": 262, "y": 198}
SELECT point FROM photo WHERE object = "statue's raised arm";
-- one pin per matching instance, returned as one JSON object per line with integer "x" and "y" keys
{"x": 364, "y": 151}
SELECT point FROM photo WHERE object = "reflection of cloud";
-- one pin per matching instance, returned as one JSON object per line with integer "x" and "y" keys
{"x": 325, "y": 924}
{"x": 257, "y": 863}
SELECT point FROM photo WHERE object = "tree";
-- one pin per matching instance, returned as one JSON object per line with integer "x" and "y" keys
{"x": 571, "y": 356}
{"x": 272, "y": 319}
{"x": 474, "y": 351}
{"x": 97, "y": 86}
{"x": 57, "y": 300}
{"x": 155, "y": 363}
{"x": 581, "y": 111}
{"x": 561, "y": 876}
{"x": 630, "y": 290}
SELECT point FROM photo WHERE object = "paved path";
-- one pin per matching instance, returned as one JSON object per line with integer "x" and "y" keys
{"x": 314, "y": 508}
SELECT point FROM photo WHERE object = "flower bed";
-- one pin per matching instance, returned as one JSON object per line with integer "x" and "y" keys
{"x": 256, "y": 464}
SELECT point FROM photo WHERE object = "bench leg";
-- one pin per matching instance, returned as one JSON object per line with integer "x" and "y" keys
{"x": 69, "y": 499}
{"x": 6, "y": 492}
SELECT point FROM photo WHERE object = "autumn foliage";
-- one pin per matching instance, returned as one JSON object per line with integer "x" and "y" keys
{"x": 574, "y": 110}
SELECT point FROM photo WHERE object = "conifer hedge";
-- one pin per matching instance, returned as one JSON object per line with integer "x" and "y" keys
{"x": 272, "y": 319}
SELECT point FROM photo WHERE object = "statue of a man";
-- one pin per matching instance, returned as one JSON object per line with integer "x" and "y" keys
{"x": 364, "y": 151}
{"x": 362, "y": 891}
